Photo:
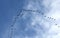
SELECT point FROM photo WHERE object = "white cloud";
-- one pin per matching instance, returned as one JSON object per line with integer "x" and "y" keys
{"x": 43, "y": 28}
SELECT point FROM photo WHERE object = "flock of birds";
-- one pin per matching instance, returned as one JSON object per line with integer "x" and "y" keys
{"x": 21, "y": 14}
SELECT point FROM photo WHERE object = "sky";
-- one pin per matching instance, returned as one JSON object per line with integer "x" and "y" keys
{"x": 40, "y": 18}
{"x": 8, "y": 9}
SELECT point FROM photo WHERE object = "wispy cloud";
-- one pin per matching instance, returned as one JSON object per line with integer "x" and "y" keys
{"x": 36, "y": 25}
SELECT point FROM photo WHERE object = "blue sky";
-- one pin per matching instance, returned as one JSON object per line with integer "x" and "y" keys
{"x": 31, "y": 24}
{"x": 8, "y": 9}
